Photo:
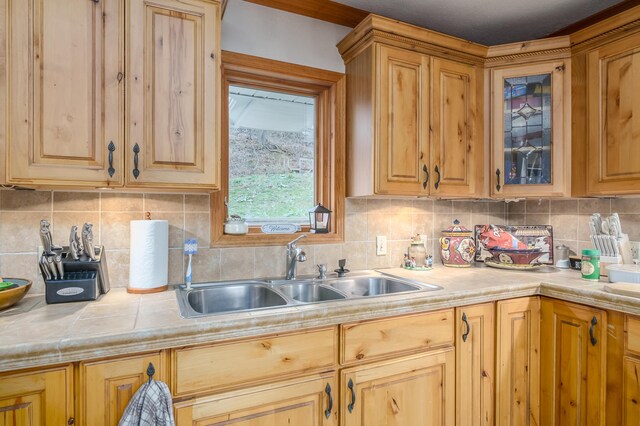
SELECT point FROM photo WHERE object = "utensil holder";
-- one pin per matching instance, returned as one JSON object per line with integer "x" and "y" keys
{"x": 84, "y": 279}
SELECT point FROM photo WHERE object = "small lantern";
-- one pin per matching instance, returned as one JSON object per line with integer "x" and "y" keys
{"x": 319, "y": 219}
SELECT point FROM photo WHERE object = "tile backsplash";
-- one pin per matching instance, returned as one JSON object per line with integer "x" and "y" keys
{"x": 189, "y": 216}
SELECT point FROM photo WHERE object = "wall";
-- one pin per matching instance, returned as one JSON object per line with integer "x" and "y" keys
{"x": 262, "y": 31}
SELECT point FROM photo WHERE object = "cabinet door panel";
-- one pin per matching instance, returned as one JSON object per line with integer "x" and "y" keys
{"x": 37, "y": 398}
{"x": 403, "y": 124}
{"x": 173, "y": 102}
{"x": 454, "y": 151}
{"x": 64, "y": 93}
{"x": 411, "y": 391}
{"x": 108, "y": 385}
{"x": 573, "y": 366}
{"x": 518, "y": 362}
{"x": 300, "y": 402}
{"x": 631, "y": 407}
{"x": 475, "y": 346}
{"x": 614, "y": 118}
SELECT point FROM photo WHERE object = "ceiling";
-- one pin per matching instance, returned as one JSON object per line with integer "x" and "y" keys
{"x": 488, "y": 22}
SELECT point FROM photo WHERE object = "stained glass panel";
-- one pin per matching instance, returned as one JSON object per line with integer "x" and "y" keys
{"x": 527, "y": 130}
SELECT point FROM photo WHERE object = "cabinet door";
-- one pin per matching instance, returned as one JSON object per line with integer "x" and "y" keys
{"x": 530, "y": 142}
{"x": 518, "y": 362}
{"x": 172, "y": 94}
{"x": 573, "y": 364}
{"x": 402, "y": 144}
{"x": 631, "y": 389}
{"x": 64, "y": 93}
{"x": 411, "y": 391}
{"x": 310, "y": 401}
{"x": 456, "y": 147}
{"x": 42, "y": 397}
{"x": 475, "y": 355}
{"x": 107, "y": 386}
{"x": 613, "y": 159}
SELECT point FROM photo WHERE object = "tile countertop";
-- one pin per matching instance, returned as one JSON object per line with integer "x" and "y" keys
{"x": 33, "y": 333}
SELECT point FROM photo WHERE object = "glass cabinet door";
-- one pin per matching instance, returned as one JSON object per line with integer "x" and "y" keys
{"x": 527, "y": 130}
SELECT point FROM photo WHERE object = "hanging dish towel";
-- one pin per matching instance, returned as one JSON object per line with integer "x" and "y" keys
{"x": 150, "y": 406}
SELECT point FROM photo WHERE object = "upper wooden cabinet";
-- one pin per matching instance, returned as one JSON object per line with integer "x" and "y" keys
{"x": 530, "y": 119}
{"x": 573, "y": 364}
{"x": 173, "y": 95}
{"x": 38, "y": 398}
{"x": 66, "y": 77}
{"x": 64, "y": 93}
{"x": 613, "y": 155}
{"x": 414, "y": 123}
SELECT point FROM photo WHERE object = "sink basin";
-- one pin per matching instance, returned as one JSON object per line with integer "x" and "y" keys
{"x": 228, "y": 297}
{"x": 373, "y": 286}
{"x": 309, "y": 292}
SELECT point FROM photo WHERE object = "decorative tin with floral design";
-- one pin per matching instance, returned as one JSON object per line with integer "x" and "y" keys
{"x": 457, "y": 246}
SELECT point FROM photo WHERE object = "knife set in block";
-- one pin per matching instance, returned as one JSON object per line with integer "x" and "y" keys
{"x": 75, "y": 272}
{"x": 608, "y": 238}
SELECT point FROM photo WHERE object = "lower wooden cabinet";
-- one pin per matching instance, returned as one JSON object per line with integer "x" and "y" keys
{"x": 631, "y": 391}
{"x": 306, "y": 401}
{"x": 475, "y": 371}
{"x": 106, "y": 386}
{"x": 518, "y": 362}
{"x": 573, "y": 364}
{"x": 43, "y": 397}
{"x": 415, "y": 390}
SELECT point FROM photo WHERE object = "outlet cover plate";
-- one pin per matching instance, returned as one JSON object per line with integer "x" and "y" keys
{"x": 381, "y": 245}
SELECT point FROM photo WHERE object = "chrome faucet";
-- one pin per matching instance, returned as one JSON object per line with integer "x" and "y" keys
{"x": 294, "y": 255}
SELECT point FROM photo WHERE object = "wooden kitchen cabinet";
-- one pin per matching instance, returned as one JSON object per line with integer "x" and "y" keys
{"x": 414, "y": 123}
{"x": 173, "y": 95}
{"x": 415, "y": 390}
{"x": 518, "y": 362}
{"x": 613, "y": 153}
{"x": 475, "y": 371}
{"x": 106, "y": 386}
{"x": 305, "y": 401}
{"x": 530, "y": 130}
{"x": 456, "y": 145}
{"x": 631, "y": 392}
{"x": 64, "y": 93}
{"x": 41, "y": 397}
{"x": 573, "y": 364}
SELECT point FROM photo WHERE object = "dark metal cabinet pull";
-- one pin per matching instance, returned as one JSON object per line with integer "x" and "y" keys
{"x": 465, "y": 335}
{"x": 498, "y": 176}
{"x": 426, "y": 176}
{"x": 327, "y": 412}
{"x": 71, "y": 421}
{"x": 437, "y": 184}
{"x": 111, "y": 148}
{"x": 353, "y": 396}
{"x": 136, "y": 151}
{"x": 594, "y": 321}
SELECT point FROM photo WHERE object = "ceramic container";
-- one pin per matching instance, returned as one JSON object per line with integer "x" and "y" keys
{"x": 516, "y": 257}
{"x": 457, "y": 247}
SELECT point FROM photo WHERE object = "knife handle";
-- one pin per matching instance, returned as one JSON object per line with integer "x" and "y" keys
{"x": 59, "y": 266}
{"x": 52, "y": 267}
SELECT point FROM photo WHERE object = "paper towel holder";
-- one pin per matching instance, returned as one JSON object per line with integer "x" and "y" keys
{"x": 138, "y": 255}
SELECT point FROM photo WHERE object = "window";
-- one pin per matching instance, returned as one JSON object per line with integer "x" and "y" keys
{"x": 282, "y": 148}
{"x": 272, "y": 142}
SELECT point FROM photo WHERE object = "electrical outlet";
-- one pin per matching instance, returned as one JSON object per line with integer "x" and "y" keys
{"x": 381, "y": 245}
{"x": 635, "y": 249}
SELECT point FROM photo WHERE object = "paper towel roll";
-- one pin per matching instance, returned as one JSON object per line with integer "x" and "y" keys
{"x": 149, "y": 256}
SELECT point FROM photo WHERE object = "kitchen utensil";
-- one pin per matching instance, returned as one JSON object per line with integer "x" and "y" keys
{"x": 52, "y": 267}
{"x": 457, "y": 246}
{"x": 87, "y": 241}
{"x": 58, "y": 262}
{"x": 11, "y": 296}
{"x": 617, "y": 226}
{"x": 190, "y": 248}
{"x": 45, "y": 237}
{"x": 44, "y": 268}
{"x": 605, "y": 227}
{"x": 74, "y": 246}
{"x": 597, "y": 222}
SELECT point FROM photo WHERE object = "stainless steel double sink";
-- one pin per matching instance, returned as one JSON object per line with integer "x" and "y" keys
{"x": 237, "y": 296}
